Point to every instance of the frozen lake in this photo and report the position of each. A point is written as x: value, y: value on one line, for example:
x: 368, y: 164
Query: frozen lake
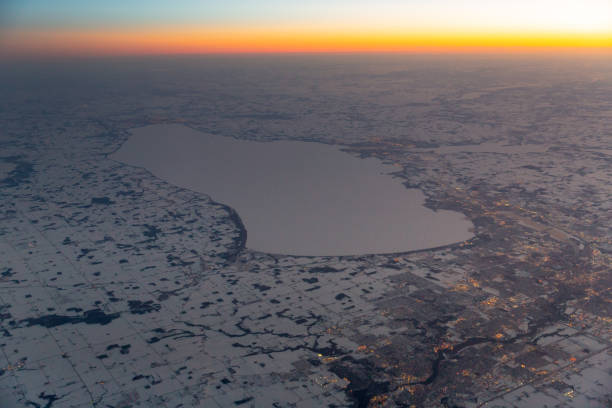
x: 297, y: 198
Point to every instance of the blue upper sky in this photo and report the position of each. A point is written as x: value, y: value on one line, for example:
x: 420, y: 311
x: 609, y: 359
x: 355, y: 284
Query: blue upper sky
x: 81, y: 13
x: 562, y: 14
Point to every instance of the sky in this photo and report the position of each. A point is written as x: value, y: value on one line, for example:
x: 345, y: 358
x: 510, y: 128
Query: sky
x: 75, y: 27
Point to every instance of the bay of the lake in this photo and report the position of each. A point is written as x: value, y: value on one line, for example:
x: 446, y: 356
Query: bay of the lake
x: 297, y: 198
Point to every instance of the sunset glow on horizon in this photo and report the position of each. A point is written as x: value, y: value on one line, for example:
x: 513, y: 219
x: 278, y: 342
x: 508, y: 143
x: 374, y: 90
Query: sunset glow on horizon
x: 69, y: 27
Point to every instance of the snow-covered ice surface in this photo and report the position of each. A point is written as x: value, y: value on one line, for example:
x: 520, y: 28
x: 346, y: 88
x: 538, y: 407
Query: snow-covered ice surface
x: 297, y: 198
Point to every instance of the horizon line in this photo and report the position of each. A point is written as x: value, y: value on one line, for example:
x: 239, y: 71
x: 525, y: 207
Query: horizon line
x: 292, y: 41
x: 437, y: 51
